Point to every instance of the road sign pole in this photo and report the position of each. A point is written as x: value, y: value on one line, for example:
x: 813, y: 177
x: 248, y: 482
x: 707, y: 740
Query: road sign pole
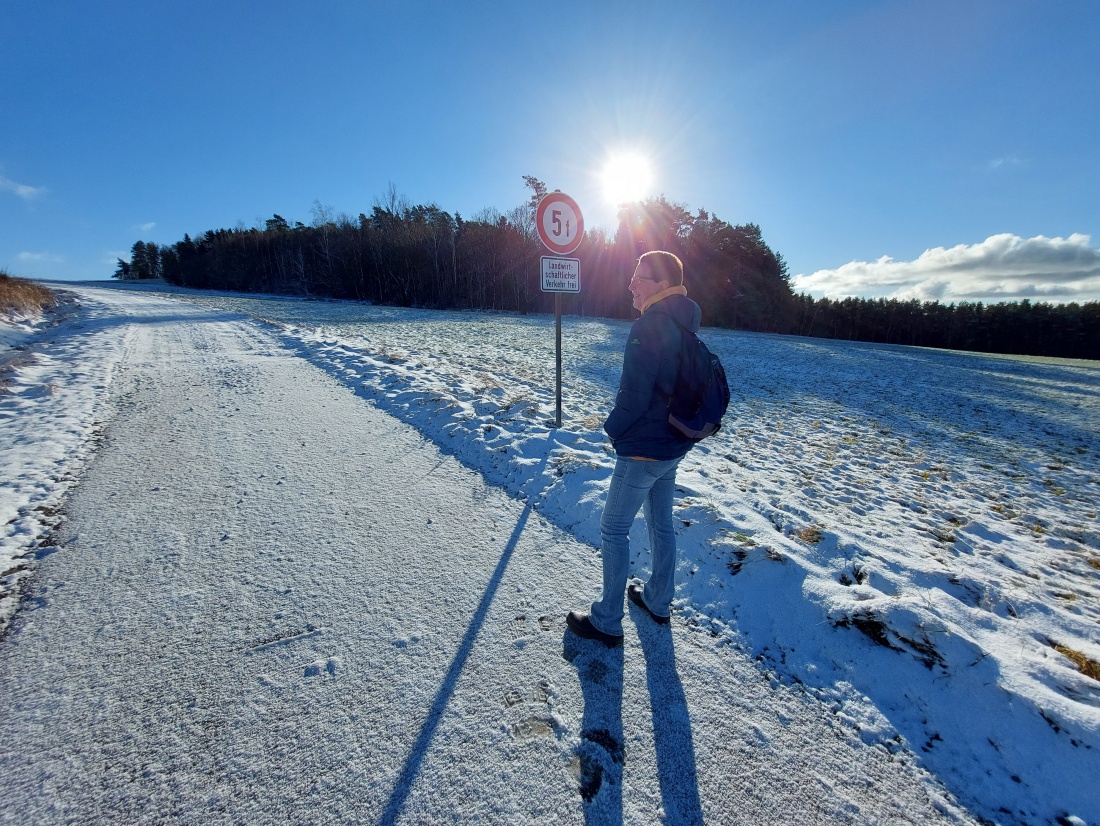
x: 560, y: 226
x: 557, y: 316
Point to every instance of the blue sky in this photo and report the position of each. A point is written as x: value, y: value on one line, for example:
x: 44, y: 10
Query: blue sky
x: 933, y: 148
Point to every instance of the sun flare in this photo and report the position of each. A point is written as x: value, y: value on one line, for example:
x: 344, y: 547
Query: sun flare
x: 626, y: 177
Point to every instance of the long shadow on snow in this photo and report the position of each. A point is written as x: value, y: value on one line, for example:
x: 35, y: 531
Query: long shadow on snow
x: 600, y: 754
x: 671, y: 725
x: 419, y: 751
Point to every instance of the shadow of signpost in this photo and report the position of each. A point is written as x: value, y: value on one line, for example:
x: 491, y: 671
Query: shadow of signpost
x: 419, y: 751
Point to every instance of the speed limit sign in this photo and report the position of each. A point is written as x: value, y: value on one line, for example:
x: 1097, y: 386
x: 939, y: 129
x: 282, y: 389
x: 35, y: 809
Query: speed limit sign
x: 560, y: 223
x: 561, y: 228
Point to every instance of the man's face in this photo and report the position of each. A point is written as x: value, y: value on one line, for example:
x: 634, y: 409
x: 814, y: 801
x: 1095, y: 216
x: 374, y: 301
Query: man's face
x: 642, y: 286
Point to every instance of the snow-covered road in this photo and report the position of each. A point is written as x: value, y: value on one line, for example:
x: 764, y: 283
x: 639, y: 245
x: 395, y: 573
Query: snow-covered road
x: 272, y: 602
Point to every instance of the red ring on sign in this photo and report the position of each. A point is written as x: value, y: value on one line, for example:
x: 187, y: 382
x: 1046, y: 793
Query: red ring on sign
x: 548, y: 201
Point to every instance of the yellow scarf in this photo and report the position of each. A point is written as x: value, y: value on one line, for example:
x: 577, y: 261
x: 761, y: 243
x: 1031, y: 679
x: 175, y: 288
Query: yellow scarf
x: 653, y: 299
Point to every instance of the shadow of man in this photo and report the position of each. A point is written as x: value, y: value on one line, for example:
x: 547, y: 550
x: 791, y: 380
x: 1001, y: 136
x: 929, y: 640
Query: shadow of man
x: 598, y: 760
x: 671, y: 725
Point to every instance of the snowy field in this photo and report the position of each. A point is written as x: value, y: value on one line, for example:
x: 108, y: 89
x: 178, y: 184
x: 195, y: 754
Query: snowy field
x: 907, y: 536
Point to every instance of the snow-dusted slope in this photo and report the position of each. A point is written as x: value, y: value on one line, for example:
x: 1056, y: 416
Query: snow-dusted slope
x: 942, y: 504
x: 55, y: 371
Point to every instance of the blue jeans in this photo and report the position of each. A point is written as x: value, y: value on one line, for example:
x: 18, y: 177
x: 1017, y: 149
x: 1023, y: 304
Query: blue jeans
x: 636, y: 484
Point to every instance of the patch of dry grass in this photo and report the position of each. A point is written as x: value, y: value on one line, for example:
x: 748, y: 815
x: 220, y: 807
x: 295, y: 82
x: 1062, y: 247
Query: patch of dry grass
x: 1090, y: 668
x: 18, y: 297
x: 811, y: 534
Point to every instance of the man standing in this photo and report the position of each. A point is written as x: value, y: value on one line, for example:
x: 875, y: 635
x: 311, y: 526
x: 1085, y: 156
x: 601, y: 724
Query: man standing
x: 647, y: 452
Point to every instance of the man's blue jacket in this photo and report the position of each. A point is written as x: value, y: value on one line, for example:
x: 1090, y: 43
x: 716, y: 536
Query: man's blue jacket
x: 638, y: 424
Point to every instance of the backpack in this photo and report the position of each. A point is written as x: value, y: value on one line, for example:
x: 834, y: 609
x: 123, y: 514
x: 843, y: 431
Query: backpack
x: 701, y: 394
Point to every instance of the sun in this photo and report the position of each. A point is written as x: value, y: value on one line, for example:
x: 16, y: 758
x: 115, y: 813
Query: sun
x: 627, y: 176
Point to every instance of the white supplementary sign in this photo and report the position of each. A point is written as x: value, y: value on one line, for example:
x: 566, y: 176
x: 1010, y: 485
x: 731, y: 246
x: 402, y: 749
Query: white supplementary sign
x: 561, y: 275
x: 560, y: 223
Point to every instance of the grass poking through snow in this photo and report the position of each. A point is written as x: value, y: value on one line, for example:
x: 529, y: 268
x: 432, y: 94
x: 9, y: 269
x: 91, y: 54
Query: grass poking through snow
x: 1090, y: 668
x: 19, y: 297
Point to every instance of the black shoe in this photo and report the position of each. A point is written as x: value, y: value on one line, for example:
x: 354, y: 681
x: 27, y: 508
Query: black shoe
x: 634, y: 593
x: 582, y: 626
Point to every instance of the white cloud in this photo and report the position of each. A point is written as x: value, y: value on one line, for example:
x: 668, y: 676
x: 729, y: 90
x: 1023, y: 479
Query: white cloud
x: 22, y: 190
x: 147, y: 227
x: 1003, y: 267
x: 39, y: 258
x: 1006, y: 162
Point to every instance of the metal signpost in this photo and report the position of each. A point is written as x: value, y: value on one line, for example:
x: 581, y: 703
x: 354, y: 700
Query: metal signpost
x: 561, y: 227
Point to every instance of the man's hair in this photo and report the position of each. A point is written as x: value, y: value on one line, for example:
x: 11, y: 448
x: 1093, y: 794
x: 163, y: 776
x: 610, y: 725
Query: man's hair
x: 664, y: 266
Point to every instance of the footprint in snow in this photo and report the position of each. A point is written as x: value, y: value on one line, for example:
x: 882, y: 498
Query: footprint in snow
x: 531, y: 714
x: 316, y: 668
x: 521, y: 628
x: 594, y: 762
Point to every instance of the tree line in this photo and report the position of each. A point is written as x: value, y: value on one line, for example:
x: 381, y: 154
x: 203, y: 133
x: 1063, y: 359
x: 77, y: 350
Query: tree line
x: 1016, y: 327
x: 420, y: 255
